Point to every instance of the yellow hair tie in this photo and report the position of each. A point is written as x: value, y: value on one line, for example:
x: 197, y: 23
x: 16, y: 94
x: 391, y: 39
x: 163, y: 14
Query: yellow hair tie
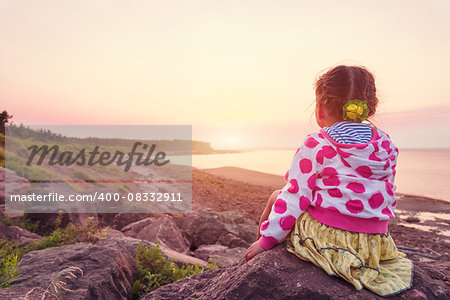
x: 355, y: 110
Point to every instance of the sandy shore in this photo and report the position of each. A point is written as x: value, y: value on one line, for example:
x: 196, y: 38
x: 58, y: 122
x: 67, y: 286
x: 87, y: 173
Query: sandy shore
x: 277, y: 182
x: 248, y: 176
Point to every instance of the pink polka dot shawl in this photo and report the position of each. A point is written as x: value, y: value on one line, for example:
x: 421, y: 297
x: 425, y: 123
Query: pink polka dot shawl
x: 347, y: 186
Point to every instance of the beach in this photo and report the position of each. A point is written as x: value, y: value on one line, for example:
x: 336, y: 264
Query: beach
x: 421, y: 223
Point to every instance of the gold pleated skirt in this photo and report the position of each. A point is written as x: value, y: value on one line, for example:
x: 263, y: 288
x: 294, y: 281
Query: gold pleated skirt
x: 366, y: 260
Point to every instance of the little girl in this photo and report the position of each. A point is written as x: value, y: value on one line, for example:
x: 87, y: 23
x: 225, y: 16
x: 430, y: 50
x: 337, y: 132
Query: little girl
x: 339, y: 193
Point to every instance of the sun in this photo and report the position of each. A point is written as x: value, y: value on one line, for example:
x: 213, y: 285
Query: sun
x: 229, y: 140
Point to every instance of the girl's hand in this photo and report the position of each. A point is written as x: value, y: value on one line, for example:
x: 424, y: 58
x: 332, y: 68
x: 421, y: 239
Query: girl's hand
x: 253, y: 250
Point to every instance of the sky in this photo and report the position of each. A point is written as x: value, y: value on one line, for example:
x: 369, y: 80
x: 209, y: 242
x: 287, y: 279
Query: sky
x: 240, y: 72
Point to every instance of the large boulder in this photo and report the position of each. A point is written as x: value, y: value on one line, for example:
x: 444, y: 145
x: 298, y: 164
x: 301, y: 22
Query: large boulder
x: 78, y: 271
x: 207, y: 227
x: 18, y: 235
x: 278, y: 274
x: 161, y: 229
x: 218, y: 253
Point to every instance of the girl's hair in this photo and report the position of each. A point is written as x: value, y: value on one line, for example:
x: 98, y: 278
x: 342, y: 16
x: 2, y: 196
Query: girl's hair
x: 343, y: 83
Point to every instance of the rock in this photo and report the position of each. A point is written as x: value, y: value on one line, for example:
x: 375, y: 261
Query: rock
x: 222, y: 254
x: 278, y: 274
x: 180, y: 259
x: 120, y: 220
x: 247, y: 232
x: 109, y: 232
x: 16, y: 184
x: 19, y: 235
x: 199, y: 229
x: 412, y: 219
x: 160, y: 229
x: 232, y: 241
x: 89, y: 271
x: 208, y: 228
x: 232, y: 217
x: 134, y: 228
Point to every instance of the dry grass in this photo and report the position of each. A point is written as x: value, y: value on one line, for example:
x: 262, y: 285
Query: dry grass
x: 58, y: 286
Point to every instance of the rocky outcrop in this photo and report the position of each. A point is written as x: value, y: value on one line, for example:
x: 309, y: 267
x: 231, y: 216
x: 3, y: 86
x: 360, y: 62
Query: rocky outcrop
x: 230, y: 228
x: 104, y: 270
x: 218, y: 253
x: 277, y: 274
x: 78, y: 271
x: 19, y: 235
x: 161, y: 229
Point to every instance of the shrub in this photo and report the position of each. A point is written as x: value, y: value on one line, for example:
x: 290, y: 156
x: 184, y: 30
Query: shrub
x: 9, y: 269
x: 155, y: 270
x: 69, y: 235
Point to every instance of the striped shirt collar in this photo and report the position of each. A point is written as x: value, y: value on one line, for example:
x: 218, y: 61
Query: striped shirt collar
x: 350, y: 132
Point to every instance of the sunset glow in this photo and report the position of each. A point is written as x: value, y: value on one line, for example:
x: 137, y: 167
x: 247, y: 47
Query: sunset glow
x: 240, y: 72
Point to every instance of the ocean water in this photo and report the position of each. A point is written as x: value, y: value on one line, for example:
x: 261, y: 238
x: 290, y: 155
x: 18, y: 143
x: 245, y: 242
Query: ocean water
x: 419, y: 172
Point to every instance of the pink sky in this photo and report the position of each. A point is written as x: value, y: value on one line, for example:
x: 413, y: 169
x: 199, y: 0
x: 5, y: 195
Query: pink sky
x: 240, y: 72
